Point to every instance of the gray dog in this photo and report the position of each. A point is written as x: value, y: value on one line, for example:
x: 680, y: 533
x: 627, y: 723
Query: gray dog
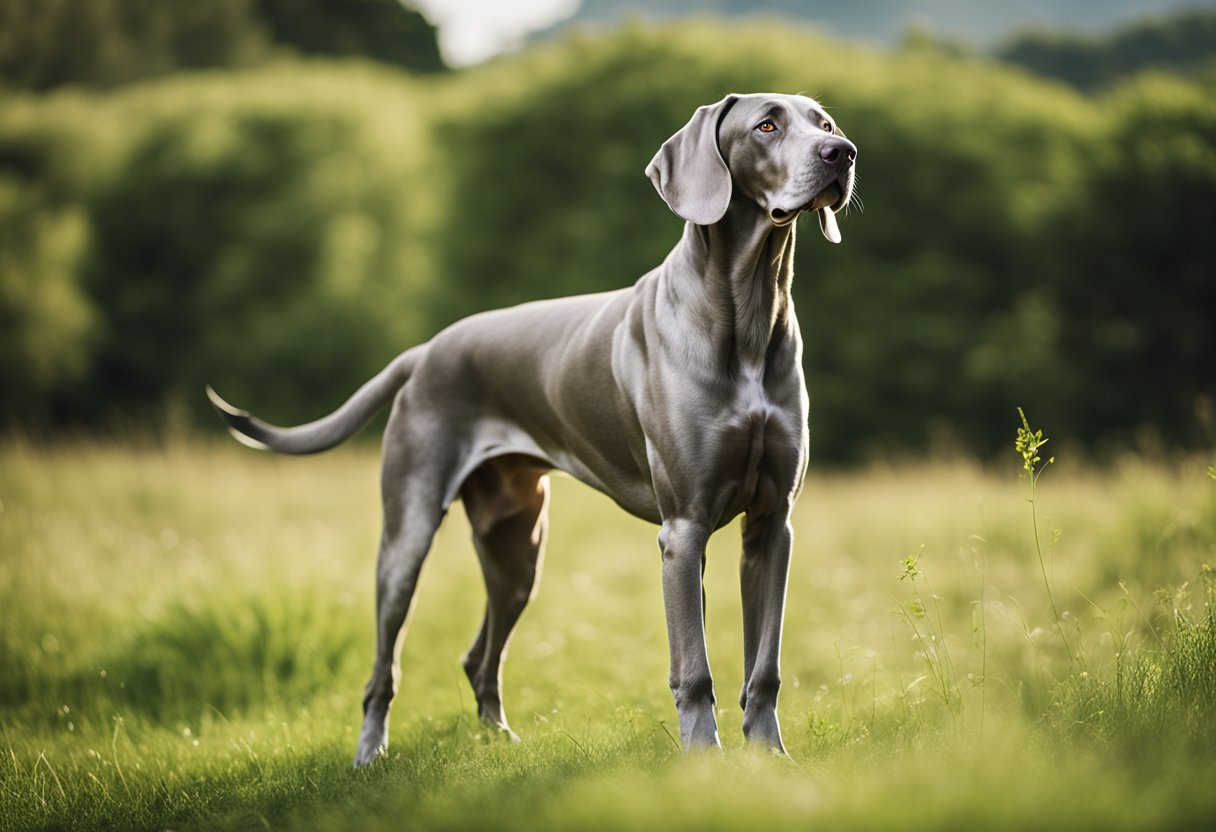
x: 682, y: 398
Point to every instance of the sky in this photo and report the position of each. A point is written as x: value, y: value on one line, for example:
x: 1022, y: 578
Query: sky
x: 470, y: 31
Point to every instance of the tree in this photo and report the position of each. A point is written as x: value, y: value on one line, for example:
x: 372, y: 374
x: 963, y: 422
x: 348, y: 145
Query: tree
x: 384, y: 30
x: 102, y: 43
x: 1180, y: 43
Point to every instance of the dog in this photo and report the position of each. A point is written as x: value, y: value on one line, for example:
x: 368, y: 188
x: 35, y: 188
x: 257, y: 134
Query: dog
x: 682, y: 398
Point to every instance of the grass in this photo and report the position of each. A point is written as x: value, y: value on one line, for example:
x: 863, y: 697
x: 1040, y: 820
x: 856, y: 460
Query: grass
x: 186, y: 631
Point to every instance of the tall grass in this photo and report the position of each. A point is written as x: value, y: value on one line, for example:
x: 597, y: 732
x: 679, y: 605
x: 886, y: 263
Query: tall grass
x: 185, y: 631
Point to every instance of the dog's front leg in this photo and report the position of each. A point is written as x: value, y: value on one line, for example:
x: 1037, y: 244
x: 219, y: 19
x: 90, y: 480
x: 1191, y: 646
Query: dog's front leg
x: 682, y: 543
x: 763, y: 572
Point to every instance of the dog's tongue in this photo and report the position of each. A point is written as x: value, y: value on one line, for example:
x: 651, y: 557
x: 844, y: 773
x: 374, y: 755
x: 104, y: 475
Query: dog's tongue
x: 827, y: 224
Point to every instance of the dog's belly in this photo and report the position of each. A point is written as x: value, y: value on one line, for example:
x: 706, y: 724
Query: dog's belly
x: 497, y: 437
x: 747, y: 463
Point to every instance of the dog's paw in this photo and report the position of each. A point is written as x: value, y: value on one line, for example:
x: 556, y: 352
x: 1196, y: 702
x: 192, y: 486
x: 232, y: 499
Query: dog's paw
x: 371, y: 747
x: 365, y: 758
x: 499, y: 729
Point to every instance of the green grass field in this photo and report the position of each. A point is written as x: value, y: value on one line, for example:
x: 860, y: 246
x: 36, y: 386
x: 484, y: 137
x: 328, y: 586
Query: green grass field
x: 186, y: 631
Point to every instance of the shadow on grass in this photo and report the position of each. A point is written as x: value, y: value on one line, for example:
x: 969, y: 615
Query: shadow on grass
x: 229, y: 654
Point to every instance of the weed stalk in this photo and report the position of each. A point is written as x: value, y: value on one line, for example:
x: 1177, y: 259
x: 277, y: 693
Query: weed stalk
x: 1027, y: 444
x: 933, y: 642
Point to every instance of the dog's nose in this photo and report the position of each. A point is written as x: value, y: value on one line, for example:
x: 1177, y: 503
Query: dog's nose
x: 837, y: 152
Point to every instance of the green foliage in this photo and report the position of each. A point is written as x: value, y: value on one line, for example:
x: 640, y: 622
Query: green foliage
x: 282, y: 232
x: 47, y: 43
x: 1138, y: 308
x: 383, y: 30
x: 46, y: 320
x: 257, y: 240
x: 1183, y: 42
x: 103, y: 43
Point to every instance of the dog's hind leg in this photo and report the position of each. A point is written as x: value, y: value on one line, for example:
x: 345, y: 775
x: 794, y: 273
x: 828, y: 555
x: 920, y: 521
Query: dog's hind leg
x: 507, y: 501
x: 413, y: 510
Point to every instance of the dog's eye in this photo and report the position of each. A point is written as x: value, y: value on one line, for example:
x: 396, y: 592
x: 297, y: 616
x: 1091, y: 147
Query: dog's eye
x: 766, y: 126
x: 827, y: 126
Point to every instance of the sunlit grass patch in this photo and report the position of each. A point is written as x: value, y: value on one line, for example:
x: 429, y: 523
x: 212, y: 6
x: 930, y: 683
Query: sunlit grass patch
x: 1157, y: 704
x: 187, y: 629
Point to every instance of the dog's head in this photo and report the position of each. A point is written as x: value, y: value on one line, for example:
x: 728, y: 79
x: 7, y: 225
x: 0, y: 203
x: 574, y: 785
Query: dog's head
x: 783, y: 152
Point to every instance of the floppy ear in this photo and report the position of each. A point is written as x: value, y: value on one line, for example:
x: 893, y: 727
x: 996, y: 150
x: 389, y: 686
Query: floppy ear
x: 688, y: 171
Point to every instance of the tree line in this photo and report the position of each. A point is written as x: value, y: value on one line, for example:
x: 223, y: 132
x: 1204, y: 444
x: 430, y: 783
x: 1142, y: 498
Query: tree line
x: 281, y: 231
x: 46, y: 44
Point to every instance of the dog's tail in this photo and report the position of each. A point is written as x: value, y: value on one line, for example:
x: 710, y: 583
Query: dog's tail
x: 327, y: 431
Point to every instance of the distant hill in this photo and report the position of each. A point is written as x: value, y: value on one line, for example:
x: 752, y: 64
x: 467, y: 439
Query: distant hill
x: 887, y: 20
x: 1089, y: 45
x: 1184, y: 43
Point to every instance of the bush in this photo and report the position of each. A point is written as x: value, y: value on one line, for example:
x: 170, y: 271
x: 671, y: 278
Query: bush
x: 1133, y: 270
x: 46, y: 321
x: 283, y: 232
x: 260, y: 238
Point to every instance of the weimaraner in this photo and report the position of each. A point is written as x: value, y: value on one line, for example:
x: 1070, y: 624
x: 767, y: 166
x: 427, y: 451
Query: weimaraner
x: 682, y: 398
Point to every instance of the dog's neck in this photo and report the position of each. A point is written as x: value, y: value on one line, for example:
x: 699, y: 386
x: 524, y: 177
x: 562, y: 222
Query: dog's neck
x: 734, y: 282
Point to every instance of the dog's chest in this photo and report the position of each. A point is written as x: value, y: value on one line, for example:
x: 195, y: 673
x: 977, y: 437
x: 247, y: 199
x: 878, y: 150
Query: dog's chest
x: 755, y: 448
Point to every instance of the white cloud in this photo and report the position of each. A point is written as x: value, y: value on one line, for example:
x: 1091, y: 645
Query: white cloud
x: 471, y: 31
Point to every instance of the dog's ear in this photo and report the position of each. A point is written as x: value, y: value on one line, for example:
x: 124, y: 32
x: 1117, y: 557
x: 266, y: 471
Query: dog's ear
x: 689, y: 172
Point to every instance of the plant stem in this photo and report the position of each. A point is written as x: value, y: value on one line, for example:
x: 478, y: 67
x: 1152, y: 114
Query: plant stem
x: 1038, y: 548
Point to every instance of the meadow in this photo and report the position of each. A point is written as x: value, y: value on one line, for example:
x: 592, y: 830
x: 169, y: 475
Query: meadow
x: 186, y: 630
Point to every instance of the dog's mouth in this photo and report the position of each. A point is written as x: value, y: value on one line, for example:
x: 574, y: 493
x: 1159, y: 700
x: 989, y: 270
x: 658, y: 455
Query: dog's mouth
x: 830, y: 198
x: 826, y: 202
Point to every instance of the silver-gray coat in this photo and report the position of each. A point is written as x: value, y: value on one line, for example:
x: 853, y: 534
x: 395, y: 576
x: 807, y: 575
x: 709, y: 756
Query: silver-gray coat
x: 681, y: 397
